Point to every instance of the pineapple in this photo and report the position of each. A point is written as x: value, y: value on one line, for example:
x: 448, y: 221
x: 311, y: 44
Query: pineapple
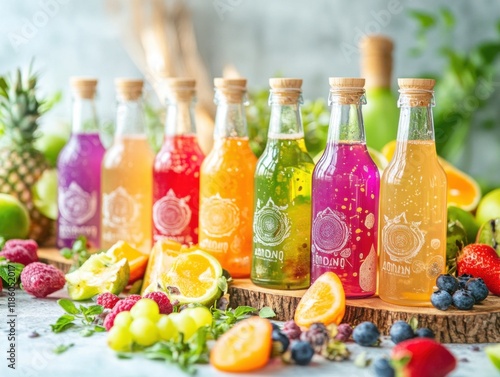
x: 21, y: 165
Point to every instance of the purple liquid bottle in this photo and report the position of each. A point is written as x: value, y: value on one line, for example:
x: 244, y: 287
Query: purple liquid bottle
x: 79, y: 171
x: 345, y: 194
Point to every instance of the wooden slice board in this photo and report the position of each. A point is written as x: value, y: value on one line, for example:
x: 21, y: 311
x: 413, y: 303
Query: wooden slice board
x: 53, y: 257
x: 480, y: 325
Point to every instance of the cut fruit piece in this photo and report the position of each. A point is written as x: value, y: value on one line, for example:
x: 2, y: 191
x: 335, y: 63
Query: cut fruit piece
x: 323, y: 302
x: 195, y: 277
x: 137, y: 260
x: 102, y: 272
x: 245, y: 347
x: 489, y: 207
x: 493, y: 353
x: 161, y: 258
x: 489, y: 234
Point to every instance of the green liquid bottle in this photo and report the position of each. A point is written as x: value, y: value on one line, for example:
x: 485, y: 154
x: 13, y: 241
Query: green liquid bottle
x: 282, y: 211
x: 381, y: 115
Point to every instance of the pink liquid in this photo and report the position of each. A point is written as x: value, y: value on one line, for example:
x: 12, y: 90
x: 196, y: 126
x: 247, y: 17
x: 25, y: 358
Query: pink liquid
x: 79, y: 190
x: 345, y: 193
x: 176, y: 186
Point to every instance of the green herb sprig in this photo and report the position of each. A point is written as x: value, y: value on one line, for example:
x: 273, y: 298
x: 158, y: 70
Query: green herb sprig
x: 78, y: 253
x: 86, y: 314
x: 225, y: 319
x: 10, y: 271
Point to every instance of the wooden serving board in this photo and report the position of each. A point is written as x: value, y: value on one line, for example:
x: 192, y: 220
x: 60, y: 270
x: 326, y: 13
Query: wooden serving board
x: 53, y: 257
x: 480, y: 325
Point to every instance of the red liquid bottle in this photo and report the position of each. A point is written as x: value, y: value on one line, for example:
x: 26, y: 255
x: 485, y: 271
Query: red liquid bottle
x: 176, y: 171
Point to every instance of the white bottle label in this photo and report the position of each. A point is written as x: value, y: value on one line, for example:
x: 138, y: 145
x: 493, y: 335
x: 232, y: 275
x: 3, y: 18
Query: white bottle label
x: 171, y: 214
x: 330, y: 233
x: 271, y: 224
x: 76, y: 205
x: 402, y: 240
x: 120, y: 209
x: 220, y: 217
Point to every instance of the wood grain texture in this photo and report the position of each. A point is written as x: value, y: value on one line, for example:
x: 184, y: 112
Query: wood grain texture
x: 480, y: 325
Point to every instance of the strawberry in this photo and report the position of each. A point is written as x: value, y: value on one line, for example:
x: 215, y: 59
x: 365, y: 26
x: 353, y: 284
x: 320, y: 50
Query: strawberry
x: 481, y: 261
x: 420, y: 357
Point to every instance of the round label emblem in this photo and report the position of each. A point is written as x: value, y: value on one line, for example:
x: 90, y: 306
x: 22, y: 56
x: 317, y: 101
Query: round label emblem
x: 402, y: 240
x: 120, y: 209
x: 171, y: 214
x: 77, y: 206
x: 219, y: 216
x: 271, y: 224
x: 330, y: 231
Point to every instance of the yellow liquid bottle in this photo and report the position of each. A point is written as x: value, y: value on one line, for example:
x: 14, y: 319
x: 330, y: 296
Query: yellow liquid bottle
x: 127, y: 175
x: 227, y: 183
x: 412, y: 226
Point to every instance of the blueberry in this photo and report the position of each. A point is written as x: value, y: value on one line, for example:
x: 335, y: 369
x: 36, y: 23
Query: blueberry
x: 463, y: 300
x: 441, y: 300
x: 477, y: 287
x: 400, y: 330
x: 463, y: 279
x: 302, y: 352
x: 447, y: 283
x: 425, y: 332
x: 278, y: 336
x: 366, y: 334
x: 383, y: 368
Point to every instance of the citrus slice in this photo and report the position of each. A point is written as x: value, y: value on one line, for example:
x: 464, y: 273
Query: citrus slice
x: 245, y: 347
x: 195, y: 277
x: 323, y: 302
x: 137, y: 260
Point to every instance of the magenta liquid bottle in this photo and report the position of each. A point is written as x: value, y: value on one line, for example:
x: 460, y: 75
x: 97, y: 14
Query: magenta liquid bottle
x: 79, y: 171
x: 345, y: 194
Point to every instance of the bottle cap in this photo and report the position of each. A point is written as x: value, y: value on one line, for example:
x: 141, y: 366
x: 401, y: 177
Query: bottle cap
x: 181, y: 88
x: 376, y: 60
x: 233, y: 90
x: 419, y: 92
x: 129, y: 89
x: 347, y: 90
x: 286, y: 91
x: 83, y: 87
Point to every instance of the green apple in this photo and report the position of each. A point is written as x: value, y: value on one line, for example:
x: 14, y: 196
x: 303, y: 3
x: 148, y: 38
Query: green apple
x: 51, y: 144
x: 489, y: 207
x: 44, y: 193
x: 14, y: 218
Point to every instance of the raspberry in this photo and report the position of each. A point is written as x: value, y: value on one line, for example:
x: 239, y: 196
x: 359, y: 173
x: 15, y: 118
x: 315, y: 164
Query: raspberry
x: 162, y: 300
x: 107, y: 300
x: 121, y: 306
x: 344, y: 332
x: 41, y: 279
x: 292, y: 330
x: 134, y: 298
x: 20, y: 251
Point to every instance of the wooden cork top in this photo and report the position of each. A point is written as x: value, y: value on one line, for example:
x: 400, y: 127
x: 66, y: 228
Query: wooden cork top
x: 181, y: 88
x: 346, y: 90
x: 376, y: 60
x: 129, y: 89
x: 233, y: 90
x: 286, y: 91
x: 418, y: 92
x: 83, y: 87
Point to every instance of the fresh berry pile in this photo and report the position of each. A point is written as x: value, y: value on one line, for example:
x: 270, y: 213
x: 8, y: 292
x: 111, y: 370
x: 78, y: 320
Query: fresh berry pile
x: 462, y: 292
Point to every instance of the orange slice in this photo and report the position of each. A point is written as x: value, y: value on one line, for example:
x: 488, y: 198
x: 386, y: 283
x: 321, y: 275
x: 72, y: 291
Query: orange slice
x: 323, y: 302
x: 137, y: 260
x: 245, y: 347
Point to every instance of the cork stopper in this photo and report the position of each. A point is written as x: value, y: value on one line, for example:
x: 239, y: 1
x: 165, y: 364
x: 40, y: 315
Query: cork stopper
x: 181, y: 88
x: 347, y: 90
x: 418, y: 92
x: 129, y: 89
x: 286, y: 91
x: 233, y: 90
x: 83, y: 87
x: 376, y: 60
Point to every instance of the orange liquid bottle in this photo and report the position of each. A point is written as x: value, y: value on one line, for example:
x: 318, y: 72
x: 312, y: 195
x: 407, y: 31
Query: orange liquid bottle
x: 127, y: 175
x: 412, y: 227
x: 227, y: 183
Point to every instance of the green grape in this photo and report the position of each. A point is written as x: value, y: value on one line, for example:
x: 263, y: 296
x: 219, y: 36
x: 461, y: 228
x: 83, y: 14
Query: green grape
x: 123, y: 319
x: 146, y: 308
x: 201, y: 316
x: 144, y: 331
x: 184, y: 324
x: 166, y: 328
x: 120, y: 339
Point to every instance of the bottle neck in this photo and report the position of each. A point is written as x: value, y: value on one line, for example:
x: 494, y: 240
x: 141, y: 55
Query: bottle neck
x: 230, y: 120
x: 180, y: 119
x: 346, y: 122
x: 84, y: 116
x: 285, y: 121
x: 130, y: 118
x: 416, y: 123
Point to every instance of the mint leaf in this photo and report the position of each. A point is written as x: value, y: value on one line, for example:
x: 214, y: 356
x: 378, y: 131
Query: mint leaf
x: 242, y: 311
x: 92, y: 310
x: 87, y: 331
x: 63, y: 323
x: 267, y: 312
x: 62, y: 348
x: 68, y: 306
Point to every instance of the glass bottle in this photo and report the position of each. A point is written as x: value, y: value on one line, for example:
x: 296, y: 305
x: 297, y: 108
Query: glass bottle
x: 126, y: 174
x: 380, y: 115
x: 227, y: 183
x: 345, y: 192
x: 176, y: 171
x: 79, y: 171
x: 412, y: 225
x: 282, y: 215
